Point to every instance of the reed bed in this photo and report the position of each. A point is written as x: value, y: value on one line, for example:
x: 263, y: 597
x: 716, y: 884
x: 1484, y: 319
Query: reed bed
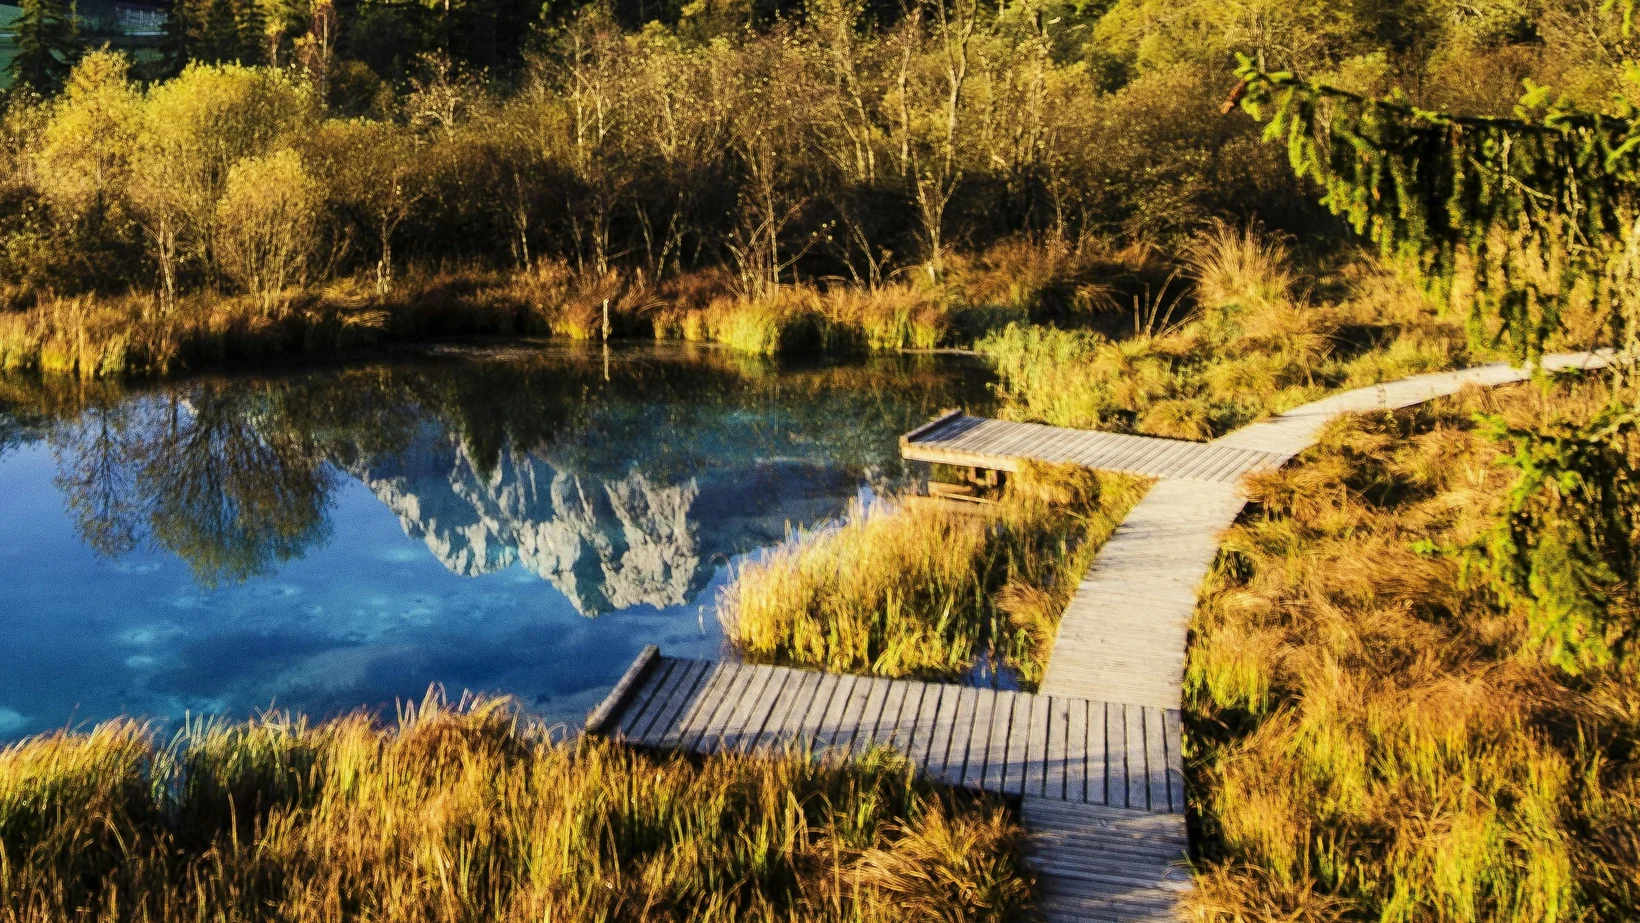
x: 103, y: 337
x: 1248, y: 344
x: 473, y: 813
x: 928, y: 590
x: 1370, y: 738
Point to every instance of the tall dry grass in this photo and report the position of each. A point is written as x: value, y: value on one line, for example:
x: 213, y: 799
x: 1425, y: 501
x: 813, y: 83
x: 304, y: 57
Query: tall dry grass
x: 473, y: 813
x: 1370, y: 739
x: 115, y: 337
x: 1253, y: 344
x: 928, y: 590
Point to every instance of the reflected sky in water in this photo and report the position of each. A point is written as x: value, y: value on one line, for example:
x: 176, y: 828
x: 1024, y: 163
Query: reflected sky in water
x: 500, y: 520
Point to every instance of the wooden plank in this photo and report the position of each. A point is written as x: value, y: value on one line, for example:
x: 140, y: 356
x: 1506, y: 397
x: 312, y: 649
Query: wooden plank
x: 1058, y: 752
x: 762, y: 702
x: 836, y: 732
x: 926, y: 726
x: 945, y: 756
x: 943, y: 418
x: 1137, y: 789
x: 1001, y: 443
x: 711, y: 736
x: 1099, y: 754
x: 1056, y: 448
x: 1078, y: 748
x: 1173, y: 738
x: 1168, y: 462
x: 793, y: 698
x: 1127, y: 457
x: 1155, y: 761
x: 628, y: 684
x: 905, y: 728
x: 1036, y: 753
x: 1019, y: 739
x: 871, y: 711
x: 996, y: 748
x: 893, y: 703
x: 661, y: 686
x: 855, y: 715
x: 809, y: 729
x: 705, y: 707
x: 648, y: 699
x: 783, y: 733
x: 979, y: 738
x: 663, y: 731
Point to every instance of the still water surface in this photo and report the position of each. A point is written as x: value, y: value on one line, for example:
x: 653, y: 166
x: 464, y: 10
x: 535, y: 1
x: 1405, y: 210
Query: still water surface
x: 513, y: 520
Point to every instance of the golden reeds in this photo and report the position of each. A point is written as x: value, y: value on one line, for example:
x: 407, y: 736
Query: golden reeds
x: 474, y: 813
x: 1251, y: 346
x: 928, y: 590
x: 1371, y: 739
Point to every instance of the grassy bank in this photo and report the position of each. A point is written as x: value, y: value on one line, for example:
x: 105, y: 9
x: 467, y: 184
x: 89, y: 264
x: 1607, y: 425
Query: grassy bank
x: 930, y: 590
x: 130, y: 336
x: 473, y: 813
x: 1374, y: 736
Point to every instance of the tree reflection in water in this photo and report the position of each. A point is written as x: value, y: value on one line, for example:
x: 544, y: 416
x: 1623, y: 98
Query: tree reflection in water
x: 620, y: 488
x: 208, y: 475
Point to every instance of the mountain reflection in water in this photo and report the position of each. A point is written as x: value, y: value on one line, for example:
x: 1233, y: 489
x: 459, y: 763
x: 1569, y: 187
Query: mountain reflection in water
x: 220, y: 545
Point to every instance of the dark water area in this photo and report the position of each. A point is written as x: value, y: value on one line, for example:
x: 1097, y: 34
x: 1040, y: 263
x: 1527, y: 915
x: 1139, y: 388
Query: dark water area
x: 512, y: 520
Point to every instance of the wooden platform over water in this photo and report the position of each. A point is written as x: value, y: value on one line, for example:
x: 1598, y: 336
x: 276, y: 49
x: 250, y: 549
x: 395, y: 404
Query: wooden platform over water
x: 1056, y: 748
x: 955, y: 439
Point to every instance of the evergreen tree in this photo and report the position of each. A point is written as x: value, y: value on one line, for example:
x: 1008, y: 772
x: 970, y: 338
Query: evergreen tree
x: 178, y: 38
x: 253, y: 33
x: 1531, y: 212
x: 219, y: 40
x: 47, y: 45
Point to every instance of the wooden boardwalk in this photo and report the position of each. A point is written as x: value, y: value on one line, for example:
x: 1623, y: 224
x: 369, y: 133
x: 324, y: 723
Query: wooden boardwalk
x: 1044, y: 747
x: 954, y: 439
x: 1094, y: 756
x: 1122, y: 638
x: 1100, y: 863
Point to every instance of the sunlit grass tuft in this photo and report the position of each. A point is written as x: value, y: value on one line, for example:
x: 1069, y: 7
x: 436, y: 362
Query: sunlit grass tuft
x: 1252, y: 346
x: 928, y: 590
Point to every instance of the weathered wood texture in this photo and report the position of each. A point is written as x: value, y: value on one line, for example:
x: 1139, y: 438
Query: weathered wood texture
x: 1003, y: 445
x: 1122, y: 638
x: 1098, y: 863
x: 1055, y: 748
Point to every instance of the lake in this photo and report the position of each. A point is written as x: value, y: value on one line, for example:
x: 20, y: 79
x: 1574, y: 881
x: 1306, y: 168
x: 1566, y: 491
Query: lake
x: 518, y: 520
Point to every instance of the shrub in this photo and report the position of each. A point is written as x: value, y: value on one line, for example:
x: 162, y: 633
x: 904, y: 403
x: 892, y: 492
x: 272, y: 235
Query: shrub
x: 265, y: 223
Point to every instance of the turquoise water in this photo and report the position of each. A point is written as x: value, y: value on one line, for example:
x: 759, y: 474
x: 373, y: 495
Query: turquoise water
x: 517, y: 521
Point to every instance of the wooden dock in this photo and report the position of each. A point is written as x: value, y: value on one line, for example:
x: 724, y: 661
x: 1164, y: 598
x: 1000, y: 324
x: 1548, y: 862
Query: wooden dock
x: 1048, y: 747
x: 1001, y: 445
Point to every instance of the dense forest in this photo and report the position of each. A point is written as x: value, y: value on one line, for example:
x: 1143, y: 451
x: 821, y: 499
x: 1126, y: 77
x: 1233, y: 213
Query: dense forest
x: 272, y: 144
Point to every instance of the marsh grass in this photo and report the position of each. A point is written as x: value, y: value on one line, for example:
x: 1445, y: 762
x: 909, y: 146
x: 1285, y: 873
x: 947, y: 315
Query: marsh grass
x: 1373, y: 740
x: 926, y: 590
x: 1253, y: 344
x: 473, y: 813
x: 107, y: 337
